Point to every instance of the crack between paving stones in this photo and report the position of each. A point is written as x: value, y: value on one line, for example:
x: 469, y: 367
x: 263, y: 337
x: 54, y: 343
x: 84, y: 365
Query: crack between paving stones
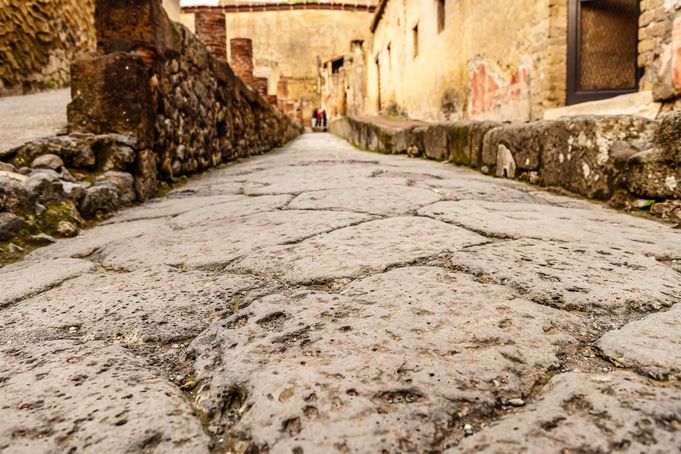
x: 492, y: 236
x: 28, y: 296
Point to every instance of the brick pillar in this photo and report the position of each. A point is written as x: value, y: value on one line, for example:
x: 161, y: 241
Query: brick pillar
x: 242, y: 58
x: 260, y: 85
x: 211, y: 29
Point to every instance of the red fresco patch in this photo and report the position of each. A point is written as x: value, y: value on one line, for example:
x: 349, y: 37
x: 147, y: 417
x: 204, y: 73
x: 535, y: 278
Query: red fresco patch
x: 486, y: 93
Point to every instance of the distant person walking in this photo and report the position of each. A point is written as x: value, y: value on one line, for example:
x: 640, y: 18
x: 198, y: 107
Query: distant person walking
x: 324, y: 118
x: 319, y: 118
x: 314, y: 118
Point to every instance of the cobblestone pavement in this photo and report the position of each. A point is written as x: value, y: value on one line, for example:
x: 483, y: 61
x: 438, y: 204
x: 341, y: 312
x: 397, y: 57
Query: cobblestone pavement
x: 321, y: 299
x: 29, y: 117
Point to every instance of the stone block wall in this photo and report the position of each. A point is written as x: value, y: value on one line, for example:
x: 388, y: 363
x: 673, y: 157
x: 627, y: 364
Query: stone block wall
x: 38, y: 40
x: 632, y: 162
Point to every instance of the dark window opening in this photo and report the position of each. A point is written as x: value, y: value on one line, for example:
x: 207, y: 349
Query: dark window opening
x: 415, y: 34
x: 602, y: 49
x: 440, y: 15
x: 336, y: 65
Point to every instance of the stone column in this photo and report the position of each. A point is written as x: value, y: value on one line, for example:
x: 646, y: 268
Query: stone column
x: 260, y: 85
x: 242, y: 58
x: 211, y: 29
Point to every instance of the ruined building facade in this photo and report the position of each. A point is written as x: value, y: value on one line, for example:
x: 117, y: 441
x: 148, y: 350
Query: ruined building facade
x: 457, y: 59
x: 278, y: 47
x: 512, y: 61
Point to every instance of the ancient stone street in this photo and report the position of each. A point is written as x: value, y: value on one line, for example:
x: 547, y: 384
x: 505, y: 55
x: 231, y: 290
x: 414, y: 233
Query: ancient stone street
x: 323, y: 299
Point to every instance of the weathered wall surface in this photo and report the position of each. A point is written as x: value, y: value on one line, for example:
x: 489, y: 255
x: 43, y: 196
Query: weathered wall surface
x: 343, y: 90
x: 479, y: 66
x: 38, y: 40
x: 660, y: 49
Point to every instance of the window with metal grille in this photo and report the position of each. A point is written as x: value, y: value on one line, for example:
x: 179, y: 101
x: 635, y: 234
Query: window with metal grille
x: 602, y: 49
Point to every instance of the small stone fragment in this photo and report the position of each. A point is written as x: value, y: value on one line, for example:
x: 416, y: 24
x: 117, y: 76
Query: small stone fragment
x: 517, y: 402
x: 14, y: 249
x: 468, y: 430
x: 10, y: 225
x: 42, y: 239
x: 48, y: 161
x: 67, y: 229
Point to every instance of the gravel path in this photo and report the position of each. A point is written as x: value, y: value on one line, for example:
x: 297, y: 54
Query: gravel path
x: 320, y: 299
x: 24, y: 118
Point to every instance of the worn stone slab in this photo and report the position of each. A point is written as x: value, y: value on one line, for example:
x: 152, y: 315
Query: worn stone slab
x: 573, y: 276
x: 651, y: 345
x: 236, y: 208
x: 24, y: 279
x: 383, y: 200
x: 221, y: 242
x: 358, y: 250
x: 315, y: 177
x: 460, y: 189
x: 68, y: 397
x: 386, y: 365
x: 170, y: 207
x: 592, y: 226
x: 160, y: 305
x: 620, y: 411
x: 90, y: 241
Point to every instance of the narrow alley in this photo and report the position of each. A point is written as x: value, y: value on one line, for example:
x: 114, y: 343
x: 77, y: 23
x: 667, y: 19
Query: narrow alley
x: 321, y: 298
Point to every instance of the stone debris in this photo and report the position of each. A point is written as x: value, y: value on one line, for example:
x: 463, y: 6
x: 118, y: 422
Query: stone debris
x: 320, y: 299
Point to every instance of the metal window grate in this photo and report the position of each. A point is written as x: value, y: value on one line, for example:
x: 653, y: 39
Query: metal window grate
x: 607, y: 44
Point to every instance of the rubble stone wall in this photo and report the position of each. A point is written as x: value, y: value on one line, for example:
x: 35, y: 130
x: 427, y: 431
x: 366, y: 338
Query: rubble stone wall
x: 151, y: 105
x: 38, y: 40
x: 627, y: 160
x: 156, y: 82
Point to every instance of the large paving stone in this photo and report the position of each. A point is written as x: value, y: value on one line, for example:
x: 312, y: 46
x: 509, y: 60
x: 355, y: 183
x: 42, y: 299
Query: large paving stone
x: 592, y: 226
x: 24, y: 279
x: 389, y: 364
x: 69, y: 397
x: 90, y: 241
x: 298, y: 179
x: 474, y: 189
x: 221, y: 242
x: 381, y: 200
x: 573, y: 276
x: 354, y: 251
x: 170, y: 207
x: 221, y: 212
x: 160, y: 305
x: 581, y: 413
x: 652, y: 345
